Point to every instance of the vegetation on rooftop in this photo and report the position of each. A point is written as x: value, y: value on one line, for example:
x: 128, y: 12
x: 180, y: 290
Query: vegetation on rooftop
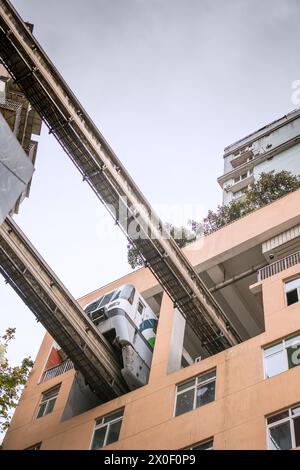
x: 268, y: 188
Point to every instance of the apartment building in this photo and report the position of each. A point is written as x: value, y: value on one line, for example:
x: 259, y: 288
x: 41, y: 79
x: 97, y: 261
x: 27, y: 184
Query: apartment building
x: 245, y: 397
x: 275, y: 147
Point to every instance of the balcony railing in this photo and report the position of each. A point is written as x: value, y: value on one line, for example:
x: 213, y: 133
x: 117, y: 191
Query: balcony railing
x: 57, y: 370
x: 278, y: 266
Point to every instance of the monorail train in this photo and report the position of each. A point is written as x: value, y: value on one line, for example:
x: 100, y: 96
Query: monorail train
x: 128, y: 323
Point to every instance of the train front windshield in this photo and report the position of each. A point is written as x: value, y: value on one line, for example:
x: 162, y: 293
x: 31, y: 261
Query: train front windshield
x: 99, y: 302
x: 126, y: 292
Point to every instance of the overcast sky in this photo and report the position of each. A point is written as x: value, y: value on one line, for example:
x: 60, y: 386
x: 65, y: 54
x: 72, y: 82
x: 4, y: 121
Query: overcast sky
x: 170, y: 83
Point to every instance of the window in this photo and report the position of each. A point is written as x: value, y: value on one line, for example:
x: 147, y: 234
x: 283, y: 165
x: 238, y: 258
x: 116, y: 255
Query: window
x: 282, y: 356
x: 204, y: 445
x: 107, y: 429
x: 106, y: 299
x: 100, y: 302
x: 239, y: 193
x: 284, y: 429
x: 292, y: 291
x: 93, y: 306
x: 34, y: 447
x: 48, y: 401
x: 140, y: 307
x: 242, y: 177
x: 127, y: 293
x: 195, y: 393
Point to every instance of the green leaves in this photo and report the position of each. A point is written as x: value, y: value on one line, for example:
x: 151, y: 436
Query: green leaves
x: 268, y: 188
x: 11, y: 380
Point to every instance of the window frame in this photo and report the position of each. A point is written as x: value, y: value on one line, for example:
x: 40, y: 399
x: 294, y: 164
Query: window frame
x: 197, y: 385
x: 287, y: 281
x: 47, y: 400
x: 201, y: 443
x: 36, y: 446
x: 106, y: 424
x: 284, y: 349
x: 288, y: 419
x: 140, y: 302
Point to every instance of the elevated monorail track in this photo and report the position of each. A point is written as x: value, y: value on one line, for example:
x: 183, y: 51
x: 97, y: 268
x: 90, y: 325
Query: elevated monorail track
x: 66, y: 119
x: 30, y: 276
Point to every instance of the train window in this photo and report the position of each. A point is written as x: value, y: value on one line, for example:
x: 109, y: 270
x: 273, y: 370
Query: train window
x: 93, y: 306
x: 116, y: 295
x: 131, y: 297
x: 141, y: 307
x: 107, y: 298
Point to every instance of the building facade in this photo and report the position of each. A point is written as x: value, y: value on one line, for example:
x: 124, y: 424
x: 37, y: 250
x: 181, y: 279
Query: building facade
x: 246, y: 397
x: 275, y: 147
x: 19, y: 122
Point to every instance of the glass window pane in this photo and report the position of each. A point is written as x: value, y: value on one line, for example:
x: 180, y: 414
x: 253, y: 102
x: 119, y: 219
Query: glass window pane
x: 208, y: 445
x: 93, y: 306
x: 275, y: 364
x: 51, y: 393
x: 113, y: 432
x: 297, y: 430
x: 292, y: 297
x: 278, y: 417
x: 116, y: 295
x: 292, y: 341
x: 296, y: 411
x: 106, y: 299
x: 207, y: 376
x: 280, y: 437
x: 99, y: 437
x: 190, y: 383
x: 205, y: 394
x: 273, y: 349
x: 292, y: 285
x: 140, y: 307
x: 293, y: 353
x: 50, y: 406
x: 112, y: 416
x: 185, y: 402
x: 41, y: 410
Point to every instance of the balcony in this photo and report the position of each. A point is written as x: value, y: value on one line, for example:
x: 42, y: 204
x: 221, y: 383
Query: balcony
x: 57, y: 370
x: 242, y: 157
x: 279, y: 266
